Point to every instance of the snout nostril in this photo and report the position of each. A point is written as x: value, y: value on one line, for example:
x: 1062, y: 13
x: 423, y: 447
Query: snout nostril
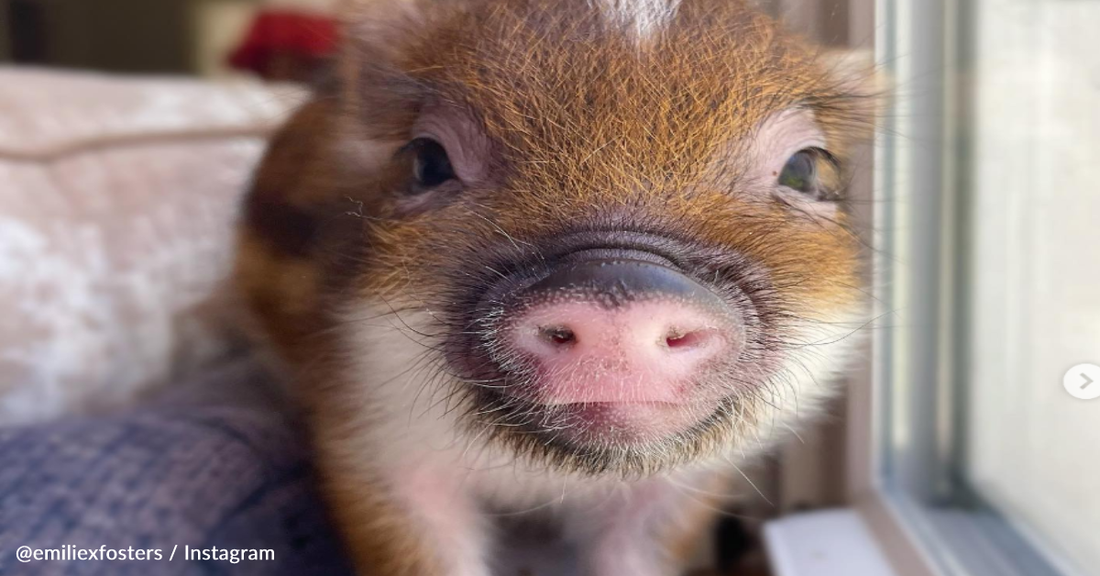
x: 557, y: 335
x: 677, y: 339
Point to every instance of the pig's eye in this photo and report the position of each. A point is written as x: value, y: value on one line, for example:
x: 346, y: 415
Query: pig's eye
x: 431, y: 166
x: 813, y: 172
x: 800, y: 172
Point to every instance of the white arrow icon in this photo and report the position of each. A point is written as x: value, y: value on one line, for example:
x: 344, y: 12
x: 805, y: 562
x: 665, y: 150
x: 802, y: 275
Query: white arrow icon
x: 1079, y: 381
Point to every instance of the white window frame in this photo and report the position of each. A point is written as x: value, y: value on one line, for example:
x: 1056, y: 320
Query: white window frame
x: 905, y: 418
x: 914, y: 369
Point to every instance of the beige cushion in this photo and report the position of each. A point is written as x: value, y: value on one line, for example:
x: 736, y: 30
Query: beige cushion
x: 117, y: 203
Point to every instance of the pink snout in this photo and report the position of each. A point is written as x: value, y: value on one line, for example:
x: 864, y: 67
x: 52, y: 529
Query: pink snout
x: 621, y: 332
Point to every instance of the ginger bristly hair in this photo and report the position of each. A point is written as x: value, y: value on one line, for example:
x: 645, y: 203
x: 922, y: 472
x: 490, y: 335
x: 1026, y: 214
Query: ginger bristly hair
x: 576, y: 121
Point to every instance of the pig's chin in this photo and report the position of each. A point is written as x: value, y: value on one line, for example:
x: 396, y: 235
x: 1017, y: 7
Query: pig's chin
x: 594, y: 425
x: 624, y: 424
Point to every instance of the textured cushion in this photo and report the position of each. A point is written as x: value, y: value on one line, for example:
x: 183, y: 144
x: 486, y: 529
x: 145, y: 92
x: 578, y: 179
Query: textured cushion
x: 117, y: 199
x: 215, y: 464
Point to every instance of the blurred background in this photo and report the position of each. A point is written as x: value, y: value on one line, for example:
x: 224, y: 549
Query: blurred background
x: 222, y: 38
x: 210, y: 38
x: 960, y: 448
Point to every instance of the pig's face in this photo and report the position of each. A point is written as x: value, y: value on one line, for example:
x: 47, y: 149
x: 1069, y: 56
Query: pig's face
x: 608, y: 244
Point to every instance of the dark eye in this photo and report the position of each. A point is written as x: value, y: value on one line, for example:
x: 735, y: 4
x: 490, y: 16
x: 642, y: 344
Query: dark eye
x: 431, y: 166
x: 800, y: 172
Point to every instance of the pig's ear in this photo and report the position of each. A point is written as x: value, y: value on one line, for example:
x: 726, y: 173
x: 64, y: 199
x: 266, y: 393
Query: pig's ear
x: 380, y: 41
x: 385, y: 28
x: 853, y: 77
x: 855, y: 70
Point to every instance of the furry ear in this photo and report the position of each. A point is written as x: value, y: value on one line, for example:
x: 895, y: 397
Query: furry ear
x: 380, y: 38
x: 388, y: 27
x: 854, y: 72
x: 384, y: 26
x: 859, y: 90
x: 855, y: 69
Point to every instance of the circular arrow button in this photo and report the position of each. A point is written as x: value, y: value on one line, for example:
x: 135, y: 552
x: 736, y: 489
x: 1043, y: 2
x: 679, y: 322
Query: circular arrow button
x: 1083, y: 381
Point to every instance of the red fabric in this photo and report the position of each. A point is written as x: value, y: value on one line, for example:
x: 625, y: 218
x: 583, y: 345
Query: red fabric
x: 304, y: 35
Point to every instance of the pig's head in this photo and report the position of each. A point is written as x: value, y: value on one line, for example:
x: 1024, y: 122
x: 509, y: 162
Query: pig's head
x: 607, y: 236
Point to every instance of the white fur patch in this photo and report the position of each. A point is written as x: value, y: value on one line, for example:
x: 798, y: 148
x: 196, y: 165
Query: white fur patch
x: 410, y: 433
x: 421, y: 424
x: 647, y: 17
x: 819, y: 352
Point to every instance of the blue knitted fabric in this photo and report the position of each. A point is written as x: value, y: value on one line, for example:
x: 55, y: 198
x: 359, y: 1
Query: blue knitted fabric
x: 229, y: 475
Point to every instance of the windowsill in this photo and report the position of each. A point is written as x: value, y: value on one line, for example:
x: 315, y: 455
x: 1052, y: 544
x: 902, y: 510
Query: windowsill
x: 892, y: 537
x: 827, y: 543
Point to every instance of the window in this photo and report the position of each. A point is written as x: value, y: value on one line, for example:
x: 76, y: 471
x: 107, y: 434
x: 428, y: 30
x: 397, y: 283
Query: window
x: 988, y: 236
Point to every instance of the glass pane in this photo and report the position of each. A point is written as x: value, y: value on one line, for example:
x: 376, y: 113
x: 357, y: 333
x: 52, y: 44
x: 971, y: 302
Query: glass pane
x: 1032, y: 450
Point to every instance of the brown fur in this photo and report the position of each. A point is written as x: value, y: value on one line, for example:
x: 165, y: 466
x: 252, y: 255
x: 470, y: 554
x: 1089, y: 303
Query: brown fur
x: 380, y: 536
x: 617, y: 129
x: 580, y: 126
x: 681, y: 538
